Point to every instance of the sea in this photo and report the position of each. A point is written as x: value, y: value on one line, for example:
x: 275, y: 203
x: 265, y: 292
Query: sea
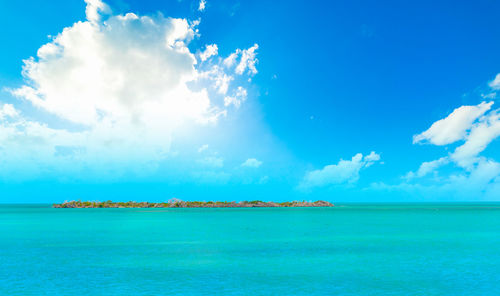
x: 350, y: 249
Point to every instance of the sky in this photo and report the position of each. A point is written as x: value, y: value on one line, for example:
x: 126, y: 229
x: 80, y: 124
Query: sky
x: 345, y: 101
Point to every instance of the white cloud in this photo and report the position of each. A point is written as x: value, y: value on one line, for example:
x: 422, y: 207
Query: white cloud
x: 220, y: 80
x: 428, y: 167
x: 345, y: 171
x: 203, y: 148
x: 94, y: 8
x: 468, y: 123
x: 495, y: 83
x: 202, y: 5
x: 125, y: 82
x: 8, y: 111
x: 231, y: 59
x: 491, y: 95
x: 210, y: 50
x: 84, y: 78
x: 247, y: 60
x: 252, y: 163
x: 473, y: 175
x: 454, y: 127
x: 236, y: 100
x: 371, y: 158
x: 481, y: 135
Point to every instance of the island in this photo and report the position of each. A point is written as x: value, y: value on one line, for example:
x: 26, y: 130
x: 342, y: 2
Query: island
x: 191, y: 204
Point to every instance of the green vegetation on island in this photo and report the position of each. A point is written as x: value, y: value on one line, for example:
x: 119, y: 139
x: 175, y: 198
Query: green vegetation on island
x: 175, y: 203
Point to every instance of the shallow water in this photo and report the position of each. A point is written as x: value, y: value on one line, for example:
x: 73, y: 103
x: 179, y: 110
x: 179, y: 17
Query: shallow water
x: 363, y: 249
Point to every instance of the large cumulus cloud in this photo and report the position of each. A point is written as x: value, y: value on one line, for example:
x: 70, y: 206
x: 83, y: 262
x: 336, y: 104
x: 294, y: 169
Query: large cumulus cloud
x: 125, y: 84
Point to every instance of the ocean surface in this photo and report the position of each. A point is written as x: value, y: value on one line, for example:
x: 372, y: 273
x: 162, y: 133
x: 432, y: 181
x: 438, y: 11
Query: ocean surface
x: 352, y: 249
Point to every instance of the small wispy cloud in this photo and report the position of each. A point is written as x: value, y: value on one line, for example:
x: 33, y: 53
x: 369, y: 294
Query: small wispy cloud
x: 202, y: 5
x: 211, y: 50
x: 252, y: 163
x: 203, y: 148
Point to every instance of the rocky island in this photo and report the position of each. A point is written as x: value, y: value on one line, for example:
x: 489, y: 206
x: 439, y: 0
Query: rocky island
x: 191, y: 204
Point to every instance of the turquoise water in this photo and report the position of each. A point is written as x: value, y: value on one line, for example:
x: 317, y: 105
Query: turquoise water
x: 347, y: 250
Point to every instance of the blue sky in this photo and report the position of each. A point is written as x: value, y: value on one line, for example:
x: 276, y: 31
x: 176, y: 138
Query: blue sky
x: 343, y: 101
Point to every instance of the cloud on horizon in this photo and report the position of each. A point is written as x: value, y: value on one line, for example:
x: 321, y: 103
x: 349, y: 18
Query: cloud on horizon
x: 469, y: 173
x: 344, y: 172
